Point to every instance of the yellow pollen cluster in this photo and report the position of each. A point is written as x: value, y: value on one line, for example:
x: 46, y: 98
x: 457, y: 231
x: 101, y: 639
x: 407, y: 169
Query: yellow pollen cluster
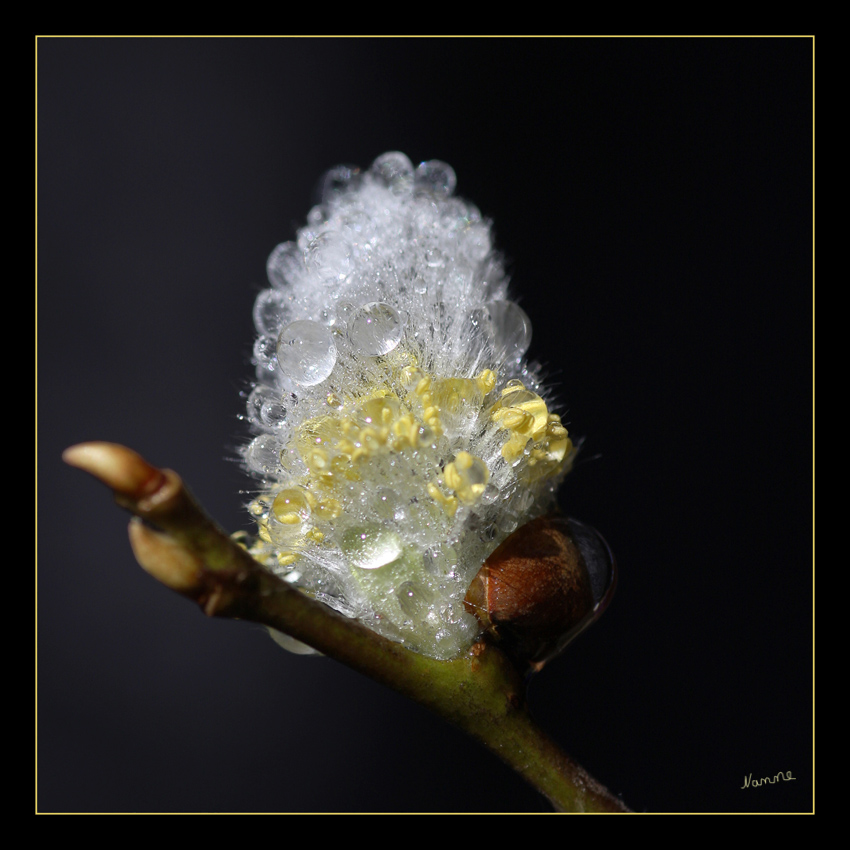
x: 337, y: 447
x: 525, y: 415
x: 447, y: 503
x: 334, y: 446
x: 467, y: 475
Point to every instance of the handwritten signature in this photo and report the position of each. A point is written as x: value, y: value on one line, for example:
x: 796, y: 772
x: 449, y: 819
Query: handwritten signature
x: 749, y: 782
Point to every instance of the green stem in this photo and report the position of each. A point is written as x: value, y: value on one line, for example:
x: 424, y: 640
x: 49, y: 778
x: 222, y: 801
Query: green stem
x: 482, y: 692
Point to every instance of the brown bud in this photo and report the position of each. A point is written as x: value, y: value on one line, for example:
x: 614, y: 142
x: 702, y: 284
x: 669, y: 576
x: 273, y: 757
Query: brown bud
x: 120, y: 468
x: 542, y: 586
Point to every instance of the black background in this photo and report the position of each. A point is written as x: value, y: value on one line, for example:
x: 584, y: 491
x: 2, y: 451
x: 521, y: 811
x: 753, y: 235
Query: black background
x: 654, y: 198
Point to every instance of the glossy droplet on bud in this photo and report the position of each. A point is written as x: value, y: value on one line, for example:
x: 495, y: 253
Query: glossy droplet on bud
x: 542, y: 586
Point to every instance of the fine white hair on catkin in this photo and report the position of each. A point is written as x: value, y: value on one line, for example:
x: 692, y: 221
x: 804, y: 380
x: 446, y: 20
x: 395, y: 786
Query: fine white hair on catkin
x: 400, y: 434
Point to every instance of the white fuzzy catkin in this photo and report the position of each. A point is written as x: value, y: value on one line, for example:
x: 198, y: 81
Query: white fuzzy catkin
x: 400, y: 433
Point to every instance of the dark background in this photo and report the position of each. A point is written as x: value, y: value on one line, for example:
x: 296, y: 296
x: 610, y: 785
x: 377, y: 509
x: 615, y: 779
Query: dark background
x: 654, y: 198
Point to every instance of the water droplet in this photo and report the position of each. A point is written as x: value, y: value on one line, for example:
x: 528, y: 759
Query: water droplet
x: 490, y: 277
x: 345, y: 310
x: 329, y: 256
x: 395, y: 171
x: 437, y: 177
x: 375, y: 329
x: 472, y: 469
x: 290, y: 507
x: 259, y: 396
x: 414, y: 599
x: 490, y: 495
x: 265, y: 351
x: 290, y: 644
x: 304, y: 238
x: 329, y: 509
x: 316, y: 216
x: 273, y: 412
x: 475, y: 242
x: 504, y: 326
x: 337, y: 181
x: 457, y: 214
x: 270, y: 311
x: 434, y: 259
x: 358, y: 227
x: 599, y: 561
x: 371, y: 548
x: 285, y: 265
x: 386, y: 504
x: 306, y: 352
x: 263, y: 456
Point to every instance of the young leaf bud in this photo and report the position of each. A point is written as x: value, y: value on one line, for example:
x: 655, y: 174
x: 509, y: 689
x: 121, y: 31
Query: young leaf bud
x: 542, y: 586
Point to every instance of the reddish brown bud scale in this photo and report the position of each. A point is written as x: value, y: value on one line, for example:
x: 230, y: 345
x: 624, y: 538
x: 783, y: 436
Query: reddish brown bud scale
x: 535, y: 591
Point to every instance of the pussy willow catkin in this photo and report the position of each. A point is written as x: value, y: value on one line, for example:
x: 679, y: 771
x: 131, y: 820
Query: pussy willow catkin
x: 400, y: 433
